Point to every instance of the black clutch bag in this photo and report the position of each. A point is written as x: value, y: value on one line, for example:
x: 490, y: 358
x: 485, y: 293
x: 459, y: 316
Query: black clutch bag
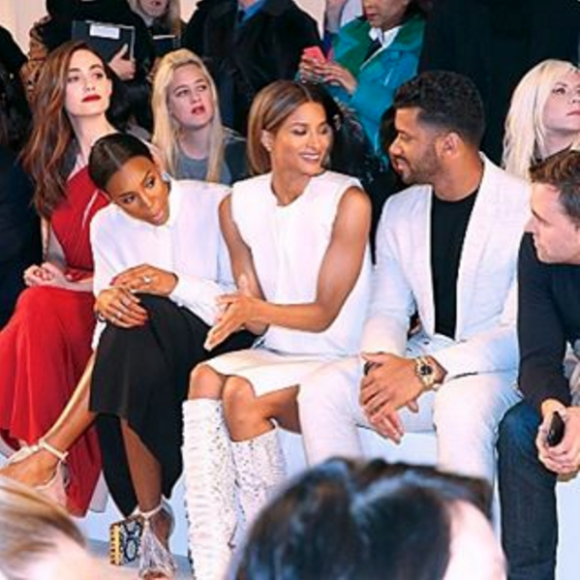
x: 124, y: 540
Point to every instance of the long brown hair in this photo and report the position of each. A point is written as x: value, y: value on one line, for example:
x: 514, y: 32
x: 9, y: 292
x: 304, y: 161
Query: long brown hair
x: 45, y: 154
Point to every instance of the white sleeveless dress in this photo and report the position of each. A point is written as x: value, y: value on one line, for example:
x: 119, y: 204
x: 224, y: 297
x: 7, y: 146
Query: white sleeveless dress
x: 288, y: 244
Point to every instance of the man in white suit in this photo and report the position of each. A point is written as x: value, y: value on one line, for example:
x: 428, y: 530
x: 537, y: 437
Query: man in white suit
x: 446, y: 251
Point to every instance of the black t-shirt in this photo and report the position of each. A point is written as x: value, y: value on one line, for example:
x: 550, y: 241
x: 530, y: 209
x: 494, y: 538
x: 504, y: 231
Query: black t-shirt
x: 449, y: 221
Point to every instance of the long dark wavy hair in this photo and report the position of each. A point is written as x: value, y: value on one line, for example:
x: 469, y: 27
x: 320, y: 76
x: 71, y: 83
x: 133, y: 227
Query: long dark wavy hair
x: 49, y: 154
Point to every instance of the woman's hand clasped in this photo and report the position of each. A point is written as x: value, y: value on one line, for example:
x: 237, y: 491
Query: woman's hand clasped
x: 119, y: 306
x: 47, y: 274
x: 147, y: 279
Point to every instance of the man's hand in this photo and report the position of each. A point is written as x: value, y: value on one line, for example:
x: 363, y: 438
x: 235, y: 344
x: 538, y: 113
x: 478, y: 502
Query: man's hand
x: 390, y: 384
x: 564, y: 458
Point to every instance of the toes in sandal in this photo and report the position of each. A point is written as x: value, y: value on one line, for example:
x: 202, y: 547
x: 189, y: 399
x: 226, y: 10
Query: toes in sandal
x: 155, y: 560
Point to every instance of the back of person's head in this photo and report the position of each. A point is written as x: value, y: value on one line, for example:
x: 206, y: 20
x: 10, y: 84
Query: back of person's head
x: 445, y: 100
x: 525, y: 130
x: 38, y: 540
x: 562, y: 171
x: 166, y: 128
x: 110, y: 153
x: 347, y: 520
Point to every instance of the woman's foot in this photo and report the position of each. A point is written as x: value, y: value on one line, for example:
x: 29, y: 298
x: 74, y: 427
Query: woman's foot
x: 156, y: 561
x: 36, y: 469
x: 40, y: 466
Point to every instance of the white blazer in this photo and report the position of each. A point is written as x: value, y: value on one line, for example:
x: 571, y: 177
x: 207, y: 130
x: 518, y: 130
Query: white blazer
x: 486, y: 338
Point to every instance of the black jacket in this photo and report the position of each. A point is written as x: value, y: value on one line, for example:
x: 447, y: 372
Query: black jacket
x: 244, y: 58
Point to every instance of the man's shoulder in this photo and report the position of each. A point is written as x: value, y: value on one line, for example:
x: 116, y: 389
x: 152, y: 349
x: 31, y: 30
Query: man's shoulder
x: 412, y: 197
x: 511, y: 189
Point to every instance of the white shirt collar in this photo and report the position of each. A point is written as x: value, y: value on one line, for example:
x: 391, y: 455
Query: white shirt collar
x: 385, y: 37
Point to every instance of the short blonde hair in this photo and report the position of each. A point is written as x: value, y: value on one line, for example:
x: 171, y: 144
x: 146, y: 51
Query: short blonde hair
x: 166, y: 130
x: 171, y: 20
x: 31, y: 527
x: 525, y: 132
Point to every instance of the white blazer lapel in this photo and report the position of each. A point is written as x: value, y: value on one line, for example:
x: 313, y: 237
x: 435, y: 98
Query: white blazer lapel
x: 479, y: 229
x: 421, y: 252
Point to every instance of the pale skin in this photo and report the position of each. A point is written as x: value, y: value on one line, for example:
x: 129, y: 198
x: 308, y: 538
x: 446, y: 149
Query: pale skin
x: 557, y: 241
x: 564, y: 458
x: 295, y: 160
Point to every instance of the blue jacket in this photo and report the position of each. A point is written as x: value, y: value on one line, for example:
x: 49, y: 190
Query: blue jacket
x: 380, y: 76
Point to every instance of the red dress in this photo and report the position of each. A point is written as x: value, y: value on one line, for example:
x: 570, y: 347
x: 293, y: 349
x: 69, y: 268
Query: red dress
x: 46, y: 345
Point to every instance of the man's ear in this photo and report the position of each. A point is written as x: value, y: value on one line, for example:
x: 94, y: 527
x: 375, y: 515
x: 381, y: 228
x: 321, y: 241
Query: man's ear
x: 449, y: 144
x: 267, y: 140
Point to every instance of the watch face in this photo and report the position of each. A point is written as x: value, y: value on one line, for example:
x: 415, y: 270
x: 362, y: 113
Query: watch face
x: 425, y: 370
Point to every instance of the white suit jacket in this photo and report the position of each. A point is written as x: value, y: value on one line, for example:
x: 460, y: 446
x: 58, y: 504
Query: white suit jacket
x: 486, y: 338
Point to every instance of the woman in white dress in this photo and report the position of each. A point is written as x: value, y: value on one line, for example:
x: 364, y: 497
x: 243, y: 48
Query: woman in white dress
x: 297, y: 237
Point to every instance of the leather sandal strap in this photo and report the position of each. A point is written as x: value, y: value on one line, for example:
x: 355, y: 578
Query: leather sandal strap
x: 60, y: 455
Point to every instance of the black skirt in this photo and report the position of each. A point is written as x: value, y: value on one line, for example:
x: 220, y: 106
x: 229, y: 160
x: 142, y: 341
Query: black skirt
x: 141, y: 375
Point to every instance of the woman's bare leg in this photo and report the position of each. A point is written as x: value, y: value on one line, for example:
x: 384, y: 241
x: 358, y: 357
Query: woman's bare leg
x: 73, y: 421
x: 259, y: 461
x: 145, y: 473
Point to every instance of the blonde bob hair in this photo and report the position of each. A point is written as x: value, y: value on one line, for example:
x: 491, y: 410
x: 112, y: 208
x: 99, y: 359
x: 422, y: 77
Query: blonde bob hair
x: 166, y: 129
x: 270, y: 109
x: 525, y: 132
x: 32, y: 529
x: 171, y: 20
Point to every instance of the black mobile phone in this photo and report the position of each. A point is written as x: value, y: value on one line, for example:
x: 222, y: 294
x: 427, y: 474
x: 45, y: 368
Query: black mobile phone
x: 556, y: 430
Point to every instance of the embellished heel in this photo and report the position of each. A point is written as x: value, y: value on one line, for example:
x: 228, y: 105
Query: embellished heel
x: 155, y: 560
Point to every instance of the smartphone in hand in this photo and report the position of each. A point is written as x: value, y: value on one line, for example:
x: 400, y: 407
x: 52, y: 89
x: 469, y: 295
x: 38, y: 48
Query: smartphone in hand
x: 314, y: 53
x: 556, y: 430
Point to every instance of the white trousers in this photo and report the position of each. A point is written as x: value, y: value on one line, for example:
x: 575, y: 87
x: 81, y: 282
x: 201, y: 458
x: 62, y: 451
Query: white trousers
x: 465, y: 413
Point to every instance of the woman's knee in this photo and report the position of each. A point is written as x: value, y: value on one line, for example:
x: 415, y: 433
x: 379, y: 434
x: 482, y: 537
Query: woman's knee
x: 205, y: 383
x: 239, y: 400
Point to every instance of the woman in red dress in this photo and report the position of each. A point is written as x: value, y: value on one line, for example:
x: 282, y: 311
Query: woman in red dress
x: 46, y: 346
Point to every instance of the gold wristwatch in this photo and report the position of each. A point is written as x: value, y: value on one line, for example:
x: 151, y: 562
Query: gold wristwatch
x: 425, y: 371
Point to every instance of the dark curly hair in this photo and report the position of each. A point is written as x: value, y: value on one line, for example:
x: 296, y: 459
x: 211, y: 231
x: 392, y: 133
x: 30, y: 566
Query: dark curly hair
x: 447, y: 100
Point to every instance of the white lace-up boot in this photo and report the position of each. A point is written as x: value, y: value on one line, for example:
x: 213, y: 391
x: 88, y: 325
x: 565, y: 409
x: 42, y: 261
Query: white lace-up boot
x: 260, y: 469
x: 209, y: 488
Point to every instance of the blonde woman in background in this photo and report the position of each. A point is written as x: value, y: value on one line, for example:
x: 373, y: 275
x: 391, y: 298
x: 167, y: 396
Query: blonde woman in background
x: 544, y: 115
x: 188, y: 132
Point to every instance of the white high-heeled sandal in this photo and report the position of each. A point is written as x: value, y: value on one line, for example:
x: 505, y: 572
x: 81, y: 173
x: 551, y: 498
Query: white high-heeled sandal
x: 55, y: 487
x: 154, y: 558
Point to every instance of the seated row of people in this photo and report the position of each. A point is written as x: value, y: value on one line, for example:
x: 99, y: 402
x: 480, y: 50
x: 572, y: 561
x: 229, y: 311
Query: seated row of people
x: 291, y: 231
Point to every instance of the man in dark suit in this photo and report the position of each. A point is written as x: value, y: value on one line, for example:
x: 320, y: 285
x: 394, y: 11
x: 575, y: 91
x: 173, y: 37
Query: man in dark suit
x: 248, y: 45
